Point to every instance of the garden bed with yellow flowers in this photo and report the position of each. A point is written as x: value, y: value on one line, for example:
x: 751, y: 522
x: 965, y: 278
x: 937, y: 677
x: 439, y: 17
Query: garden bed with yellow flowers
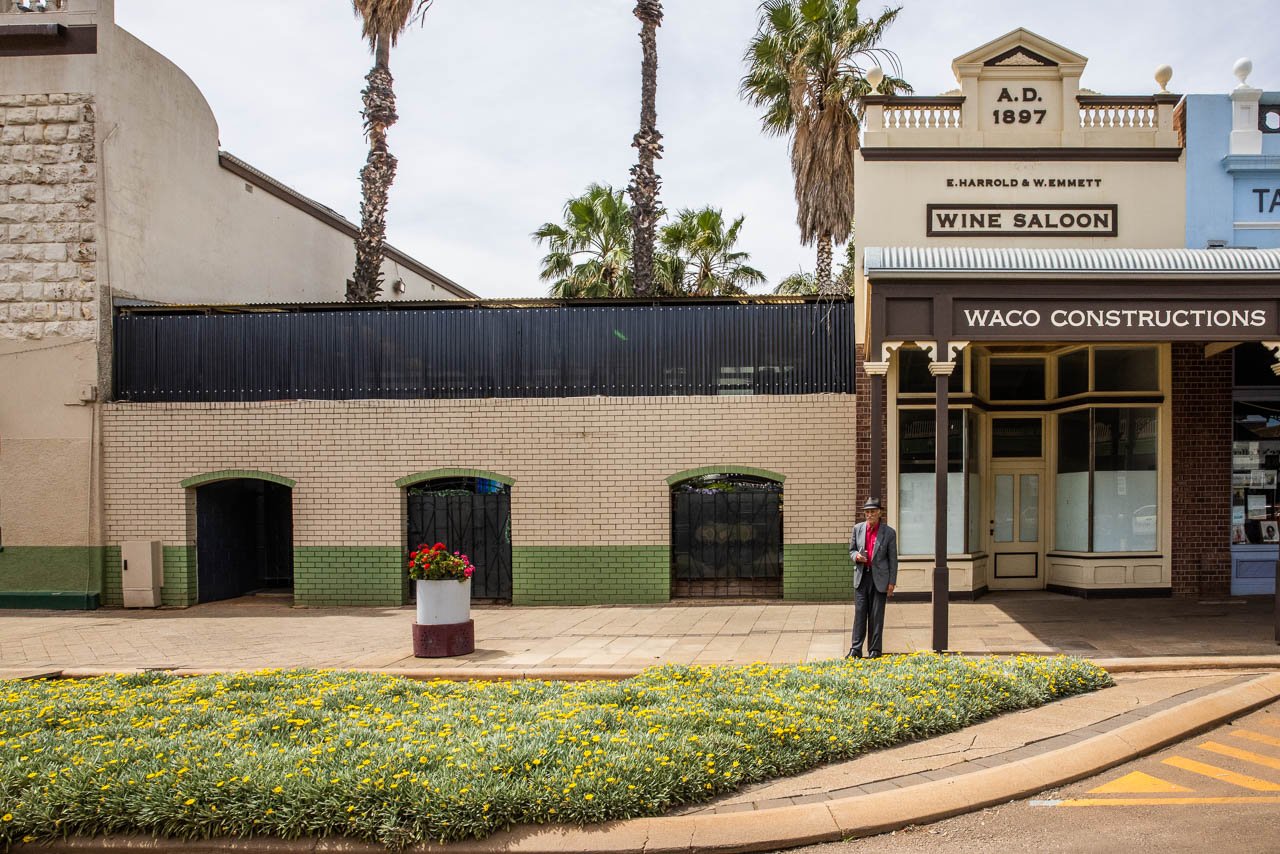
x: 328, y: 753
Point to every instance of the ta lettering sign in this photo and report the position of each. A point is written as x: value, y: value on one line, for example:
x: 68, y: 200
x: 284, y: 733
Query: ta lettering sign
x: 1021, y: 220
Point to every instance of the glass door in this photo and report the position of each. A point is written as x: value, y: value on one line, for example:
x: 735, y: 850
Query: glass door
x: 1017, y: 535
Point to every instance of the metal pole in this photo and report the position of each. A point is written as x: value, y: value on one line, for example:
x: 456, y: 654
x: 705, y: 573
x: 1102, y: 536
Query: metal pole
x: 941, y: 581
x: 877, y: 435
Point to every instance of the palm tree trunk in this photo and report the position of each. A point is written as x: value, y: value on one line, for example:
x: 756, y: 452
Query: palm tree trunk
x: 644, y: 179
x: 823, y: 274
x: 375, y: 178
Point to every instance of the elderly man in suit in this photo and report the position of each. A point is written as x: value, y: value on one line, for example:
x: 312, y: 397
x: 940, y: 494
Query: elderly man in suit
x: 874, y: 550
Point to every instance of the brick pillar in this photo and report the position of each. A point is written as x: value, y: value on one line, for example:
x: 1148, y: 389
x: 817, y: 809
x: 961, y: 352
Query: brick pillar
x: 1201, y: 516
x: 862, y: 436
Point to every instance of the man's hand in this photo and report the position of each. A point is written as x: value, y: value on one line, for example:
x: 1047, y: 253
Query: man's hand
x: 889, y: 590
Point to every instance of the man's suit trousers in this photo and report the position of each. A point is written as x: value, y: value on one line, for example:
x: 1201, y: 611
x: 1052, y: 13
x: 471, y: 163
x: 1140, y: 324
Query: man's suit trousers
x: 868, y: 616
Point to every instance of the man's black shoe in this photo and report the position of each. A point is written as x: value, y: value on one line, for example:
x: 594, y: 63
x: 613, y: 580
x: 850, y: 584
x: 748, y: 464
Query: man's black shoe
x: 873, y: 655
x: 854, y: 653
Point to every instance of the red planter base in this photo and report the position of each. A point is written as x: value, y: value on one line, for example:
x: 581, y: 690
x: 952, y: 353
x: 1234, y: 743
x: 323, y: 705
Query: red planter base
x: 444, y: 641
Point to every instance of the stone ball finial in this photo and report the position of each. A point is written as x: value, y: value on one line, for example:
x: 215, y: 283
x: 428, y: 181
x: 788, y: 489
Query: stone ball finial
x: 1163, y: 75
x: 1242, y: 69
x: 875, y: 76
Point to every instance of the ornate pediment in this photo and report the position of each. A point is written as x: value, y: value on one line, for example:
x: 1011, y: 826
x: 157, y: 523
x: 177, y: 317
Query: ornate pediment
x: 1019, y: 48
x: 1019, y: 56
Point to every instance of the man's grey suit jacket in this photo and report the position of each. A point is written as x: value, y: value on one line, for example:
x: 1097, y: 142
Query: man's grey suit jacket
x: 884, y: 563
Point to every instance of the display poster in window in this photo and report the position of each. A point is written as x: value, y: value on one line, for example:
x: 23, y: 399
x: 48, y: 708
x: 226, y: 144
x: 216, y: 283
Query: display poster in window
x: 1238, y: 536
x: 1270, y: 530
x: 1237, y: 515
x: 1256, y: 506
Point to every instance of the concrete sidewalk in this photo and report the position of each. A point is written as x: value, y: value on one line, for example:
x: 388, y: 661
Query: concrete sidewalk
x: 260, y: 632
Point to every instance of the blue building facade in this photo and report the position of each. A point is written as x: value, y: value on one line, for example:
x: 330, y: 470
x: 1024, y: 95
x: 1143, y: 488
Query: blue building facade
x: 1233, y: 199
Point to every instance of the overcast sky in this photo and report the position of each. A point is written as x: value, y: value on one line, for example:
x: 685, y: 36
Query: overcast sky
x: 509, y: 107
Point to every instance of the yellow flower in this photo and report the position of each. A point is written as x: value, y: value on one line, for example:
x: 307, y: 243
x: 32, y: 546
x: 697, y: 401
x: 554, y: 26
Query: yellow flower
x: 6, y: 817
x: 188, y: 802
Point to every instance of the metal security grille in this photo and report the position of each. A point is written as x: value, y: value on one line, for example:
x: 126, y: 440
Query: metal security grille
x: 471, y: 516
x: 726, y: 538
x: 474, y: 351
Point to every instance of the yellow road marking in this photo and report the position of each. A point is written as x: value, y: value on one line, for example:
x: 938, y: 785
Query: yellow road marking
x: 1222, y: 774
x: 1246, y: 755
x: 1138, y: 782
x: 1149, y: 802
x: 1259, y: 737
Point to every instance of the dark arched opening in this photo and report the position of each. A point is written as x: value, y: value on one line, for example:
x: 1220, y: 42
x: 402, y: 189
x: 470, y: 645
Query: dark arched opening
x: 726, y: 537
x: 244, y: 538
x: 471, y: 515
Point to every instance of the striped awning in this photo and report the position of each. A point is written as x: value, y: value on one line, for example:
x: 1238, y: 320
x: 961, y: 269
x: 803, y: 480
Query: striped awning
x: 968, y: 261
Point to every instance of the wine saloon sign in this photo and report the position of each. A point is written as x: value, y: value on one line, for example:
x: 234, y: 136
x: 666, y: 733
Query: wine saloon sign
x: 1022, y: 220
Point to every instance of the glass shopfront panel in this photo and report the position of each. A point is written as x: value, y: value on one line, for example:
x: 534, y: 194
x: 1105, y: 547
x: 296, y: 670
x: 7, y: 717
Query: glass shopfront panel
x: 917, y: 486
x: 1125, y: 487
x: 1071, y: 484
x: 1107, y: 461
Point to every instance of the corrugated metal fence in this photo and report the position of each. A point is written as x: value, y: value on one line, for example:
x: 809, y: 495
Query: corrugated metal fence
x: 555, y: 351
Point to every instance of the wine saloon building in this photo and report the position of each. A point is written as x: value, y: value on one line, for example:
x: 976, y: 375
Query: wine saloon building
x: 1019, y: 296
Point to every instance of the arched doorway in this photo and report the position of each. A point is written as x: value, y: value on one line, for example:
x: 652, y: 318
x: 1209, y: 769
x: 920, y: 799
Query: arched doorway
x: 726, y: 536
x: 244, y: 538
x: 469, y: 514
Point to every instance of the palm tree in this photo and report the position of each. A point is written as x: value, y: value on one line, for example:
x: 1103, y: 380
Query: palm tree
x: 701, y: 249
x: 645, y: 182
x: 806, y: 72
x: 799, y: 283
x: 382, y: 23
x: 590, y: 253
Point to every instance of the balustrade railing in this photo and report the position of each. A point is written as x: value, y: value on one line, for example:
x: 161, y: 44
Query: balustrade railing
x: 941, y: 113
x: 1122, y: 112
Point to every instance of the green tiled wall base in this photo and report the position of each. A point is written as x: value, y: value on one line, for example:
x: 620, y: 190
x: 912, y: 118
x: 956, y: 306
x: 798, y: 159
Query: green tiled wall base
x: 817, y: 571
x: 589, y: 575
x: 348, y: 575
x: 50, y: 576
x: 179, y: 587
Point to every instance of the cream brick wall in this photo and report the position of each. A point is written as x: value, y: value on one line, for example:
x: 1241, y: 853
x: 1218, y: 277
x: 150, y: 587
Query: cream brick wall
x: 587, y: 470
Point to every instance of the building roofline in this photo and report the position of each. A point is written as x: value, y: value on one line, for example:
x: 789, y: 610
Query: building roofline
x: 333, y: 219
x: 464, y: 304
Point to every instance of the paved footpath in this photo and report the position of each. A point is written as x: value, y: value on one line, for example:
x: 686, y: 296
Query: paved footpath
x: 616, y: 640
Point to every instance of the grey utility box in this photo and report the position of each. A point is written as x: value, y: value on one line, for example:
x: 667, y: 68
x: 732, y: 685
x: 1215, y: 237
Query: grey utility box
x: 141, y: 573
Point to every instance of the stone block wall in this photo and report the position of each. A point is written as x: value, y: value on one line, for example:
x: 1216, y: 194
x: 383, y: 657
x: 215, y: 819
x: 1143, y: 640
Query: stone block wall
x: 1201, y: 471
x: 590, y: 500
x: 48, y: 245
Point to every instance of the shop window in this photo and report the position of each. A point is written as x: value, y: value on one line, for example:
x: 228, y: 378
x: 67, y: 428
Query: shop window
x: 1253, y: 366
x: 1073, y: 373
x: 914, y: 376
x: 1255, y: 460
x: 1017, y: 379
x: 1126, y: 369
x: 916, y: 483
x: 1016, y: 437
x: 1125, y: 486
x: 1107, y: 480
x: 1071, y: 519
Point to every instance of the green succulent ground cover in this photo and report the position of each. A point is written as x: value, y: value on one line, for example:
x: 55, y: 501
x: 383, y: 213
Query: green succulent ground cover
x: 318, y: 753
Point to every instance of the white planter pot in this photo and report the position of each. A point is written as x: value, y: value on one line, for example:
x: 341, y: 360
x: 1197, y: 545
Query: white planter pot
x: 444, y: 602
